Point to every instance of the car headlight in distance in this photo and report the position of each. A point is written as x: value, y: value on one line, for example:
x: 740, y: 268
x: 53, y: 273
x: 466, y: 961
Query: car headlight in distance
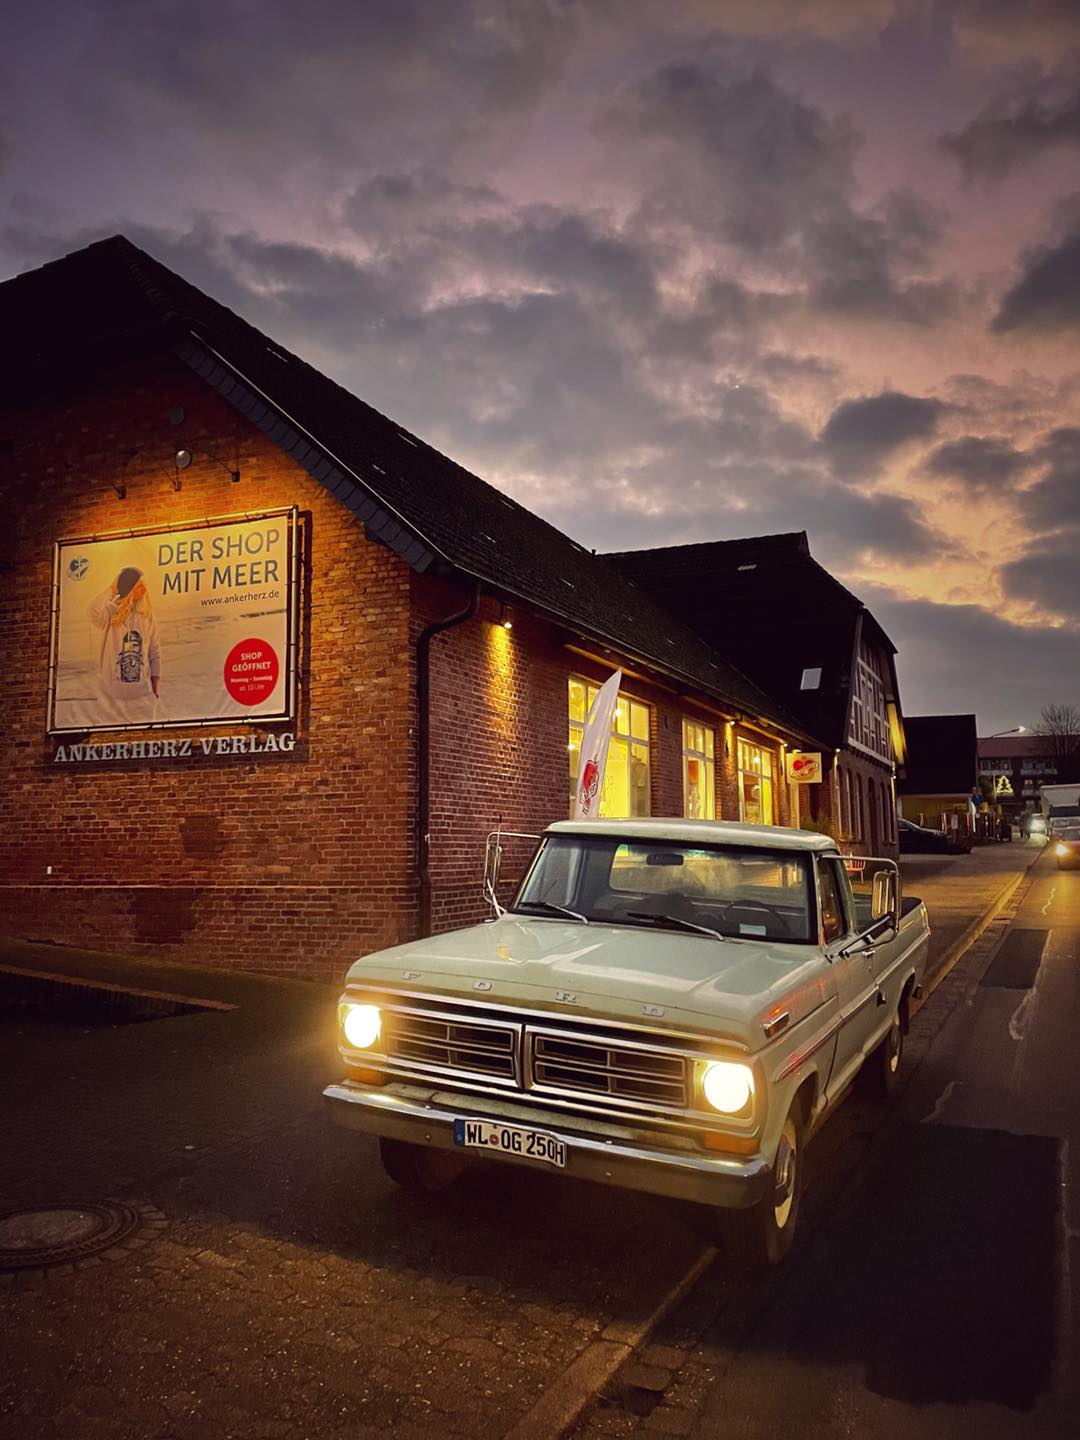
x: 1061, y: 849
x: 360, y: 1024
x: 728, y: 1086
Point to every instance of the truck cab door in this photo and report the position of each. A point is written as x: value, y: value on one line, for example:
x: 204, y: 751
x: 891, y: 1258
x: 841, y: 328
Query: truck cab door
x: 853, y: 974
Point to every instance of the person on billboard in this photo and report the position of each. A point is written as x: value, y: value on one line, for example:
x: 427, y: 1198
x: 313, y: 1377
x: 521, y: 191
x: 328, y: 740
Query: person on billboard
x: 129, y: 666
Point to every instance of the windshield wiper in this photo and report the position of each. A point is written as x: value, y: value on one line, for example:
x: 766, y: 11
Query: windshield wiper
x: 676, y: 922
x: 554, y: 909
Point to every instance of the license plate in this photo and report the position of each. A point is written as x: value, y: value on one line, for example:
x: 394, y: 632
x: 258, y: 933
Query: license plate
x: 510, y: 1140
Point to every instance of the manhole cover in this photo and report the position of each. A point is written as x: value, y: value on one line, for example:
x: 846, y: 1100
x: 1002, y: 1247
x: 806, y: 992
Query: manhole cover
x: 59, y: 1235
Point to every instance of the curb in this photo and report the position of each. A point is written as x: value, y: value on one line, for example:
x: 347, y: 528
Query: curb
x: 963, y: 943
x: 562, y: 1403
x: 48, y: 992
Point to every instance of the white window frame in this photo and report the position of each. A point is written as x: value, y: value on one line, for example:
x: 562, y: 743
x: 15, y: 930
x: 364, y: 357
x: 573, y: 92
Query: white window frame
x: 742, y: 741
x: 705, y: 755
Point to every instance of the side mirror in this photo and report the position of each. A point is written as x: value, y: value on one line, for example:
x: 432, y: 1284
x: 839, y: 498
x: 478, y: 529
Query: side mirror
x: 883, y: 899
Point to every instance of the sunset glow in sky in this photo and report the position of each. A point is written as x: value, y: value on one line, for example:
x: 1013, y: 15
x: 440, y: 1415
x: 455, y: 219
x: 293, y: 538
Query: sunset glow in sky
x: 664, y: 270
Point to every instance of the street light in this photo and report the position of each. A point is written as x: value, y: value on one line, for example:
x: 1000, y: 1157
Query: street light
x: 1016, y: 730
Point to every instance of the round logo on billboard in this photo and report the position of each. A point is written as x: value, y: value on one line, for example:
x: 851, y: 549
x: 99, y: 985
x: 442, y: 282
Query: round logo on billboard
x: 78, y: 566
x: 251, y: 672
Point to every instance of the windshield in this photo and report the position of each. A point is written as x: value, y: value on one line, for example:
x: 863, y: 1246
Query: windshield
x: 733, y: 890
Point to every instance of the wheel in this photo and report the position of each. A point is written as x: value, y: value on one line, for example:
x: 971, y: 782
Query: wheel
x: 880, y: 1073
x: 416, y: 1167
x: 764, y: 1233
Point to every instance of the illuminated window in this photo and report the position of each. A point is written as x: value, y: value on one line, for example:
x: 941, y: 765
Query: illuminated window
x: 755, y: 784
x: 625, y: 792
x: 699, y: 771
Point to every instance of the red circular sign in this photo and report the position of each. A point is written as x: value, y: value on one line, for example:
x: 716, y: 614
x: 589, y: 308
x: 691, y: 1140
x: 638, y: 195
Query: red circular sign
x: 251, y: 671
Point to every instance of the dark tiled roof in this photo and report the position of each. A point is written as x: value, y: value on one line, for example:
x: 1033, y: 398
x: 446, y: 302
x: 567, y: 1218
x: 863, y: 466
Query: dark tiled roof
x: 1019, y: 747
x: 943, y: 755
x: 113, y: 295
x: 767, y: 605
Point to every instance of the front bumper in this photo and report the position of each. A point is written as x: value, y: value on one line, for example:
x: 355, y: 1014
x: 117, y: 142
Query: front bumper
x: 611, y: 1155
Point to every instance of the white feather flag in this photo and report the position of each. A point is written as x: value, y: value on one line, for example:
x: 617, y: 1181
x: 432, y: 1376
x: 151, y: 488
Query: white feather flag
x: 594, y: 749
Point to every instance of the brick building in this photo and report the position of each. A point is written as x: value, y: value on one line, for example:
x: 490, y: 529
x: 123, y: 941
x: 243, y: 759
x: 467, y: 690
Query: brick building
x: 444, y: 641
x: 807, y: 640
x: 1019, y: 766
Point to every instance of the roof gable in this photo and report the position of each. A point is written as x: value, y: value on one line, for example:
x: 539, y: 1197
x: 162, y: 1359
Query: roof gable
x: 943, y: 755
x: 766, y: 604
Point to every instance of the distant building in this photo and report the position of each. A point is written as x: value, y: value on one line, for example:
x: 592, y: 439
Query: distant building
x: 942, y: 770
x: 770, y: 609
x: 1019, y: 766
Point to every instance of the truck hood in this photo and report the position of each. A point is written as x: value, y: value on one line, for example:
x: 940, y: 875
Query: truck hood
x: 718, y: 987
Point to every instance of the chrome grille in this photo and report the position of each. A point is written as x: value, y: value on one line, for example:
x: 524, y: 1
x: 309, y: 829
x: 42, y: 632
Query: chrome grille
x: 597, y: 1066
x: 456, y: 1044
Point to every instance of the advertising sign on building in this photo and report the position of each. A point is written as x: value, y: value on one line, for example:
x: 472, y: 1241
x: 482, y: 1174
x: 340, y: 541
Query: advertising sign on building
x: 804, y: 767
x: 183, y: 625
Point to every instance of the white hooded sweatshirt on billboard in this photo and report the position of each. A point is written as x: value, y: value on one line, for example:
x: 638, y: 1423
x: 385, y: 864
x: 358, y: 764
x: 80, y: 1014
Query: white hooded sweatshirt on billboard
x: 130, y: 652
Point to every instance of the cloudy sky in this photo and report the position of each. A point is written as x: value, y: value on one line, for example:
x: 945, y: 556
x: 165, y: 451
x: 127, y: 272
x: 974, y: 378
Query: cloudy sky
x: 665, y: 270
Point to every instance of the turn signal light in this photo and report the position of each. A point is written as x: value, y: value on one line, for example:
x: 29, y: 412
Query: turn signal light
x: 731, y: 1144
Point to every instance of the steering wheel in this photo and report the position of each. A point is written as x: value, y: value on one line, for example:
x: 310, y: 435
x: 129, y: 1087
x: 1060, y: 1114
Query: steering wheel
x: 758, y: 905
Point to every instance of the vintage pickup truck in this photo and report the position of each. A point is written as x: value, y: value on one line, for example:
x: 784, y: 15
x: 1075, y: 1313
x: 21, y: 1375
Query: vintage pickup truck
x: 665, y: 1005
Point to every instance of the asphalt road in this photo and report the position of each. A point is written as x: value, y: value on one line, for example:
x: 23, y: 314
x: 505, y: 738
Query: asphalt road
x: 937, y: 1295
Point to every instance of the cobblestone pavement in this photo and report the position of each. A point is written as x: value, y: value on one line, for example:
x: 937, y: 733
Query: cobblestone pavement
x: 295, y: 1291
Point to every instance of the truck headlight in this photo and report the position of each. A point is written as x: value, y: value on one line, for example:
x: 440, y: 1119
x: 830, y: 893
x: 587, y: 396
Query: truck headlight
x: 360, y: 1024
x: 728, y: 1086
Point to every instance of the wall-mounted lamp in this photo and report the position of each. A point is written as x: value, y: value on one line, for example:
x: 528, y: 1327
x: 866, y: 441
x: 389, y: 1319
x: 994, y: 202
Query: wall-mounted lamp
x: 121, y: 490
x: 185, y: 457
x: 504, y: 618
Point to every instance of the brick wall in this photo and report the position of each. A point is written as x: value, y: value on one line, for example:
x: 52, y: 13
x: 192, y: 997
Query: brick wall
x: 302, y: 861
x: 294, y: 863
x: 499, y: 740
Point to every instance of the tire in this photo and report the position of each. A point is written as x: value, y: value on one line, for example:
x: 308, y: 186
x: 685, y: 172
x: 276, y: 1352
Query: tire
x: 763, y: 1234
x: 880, y: 1073
x: 417, y: 1167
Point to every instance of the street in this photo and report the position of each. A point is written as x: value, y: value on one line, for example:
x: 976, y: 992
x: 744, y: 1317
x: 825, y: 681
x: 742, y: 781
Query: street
x: 295, y: 1292
x: 938, y: 1296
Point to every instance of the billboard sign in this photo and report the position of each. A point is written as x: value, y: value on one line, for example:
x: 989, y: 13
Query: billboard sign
x: 192, y: 624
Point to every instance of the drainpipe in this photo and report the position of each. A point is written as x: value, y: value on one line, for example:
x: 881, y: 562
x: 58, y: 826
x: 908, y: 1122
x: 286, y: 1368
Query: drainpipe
x: 423, y: 743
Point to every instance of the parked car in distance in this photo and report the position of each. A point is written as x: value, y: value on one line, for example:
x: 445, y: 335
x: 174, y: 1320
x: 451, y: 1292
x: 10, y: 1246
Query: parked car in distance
x: 671, y: 1006
x: 921, y: 840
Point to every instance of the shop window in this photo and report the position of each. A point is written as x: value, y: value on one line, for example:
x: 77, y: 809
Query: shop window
x: 699, y: 771
x: 755, y: 784
x: 625, y: 792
